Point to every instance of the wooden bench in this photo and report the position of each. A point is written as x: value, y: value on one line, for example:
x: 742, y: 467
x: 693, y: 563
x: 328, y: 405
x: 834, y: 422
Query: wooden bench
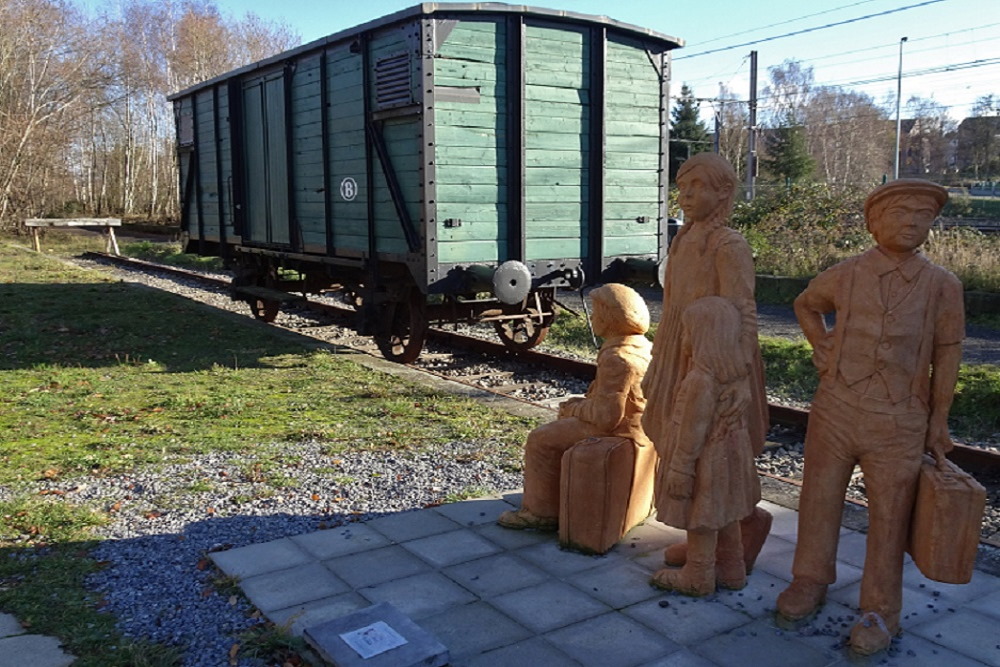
x: 105, y: 225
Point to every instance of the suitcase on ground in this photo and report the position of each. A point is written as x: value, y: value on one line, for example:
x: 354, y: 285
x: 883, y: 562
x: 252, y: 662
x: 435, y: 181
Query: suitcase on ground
x: 606, y: 488
x: 946, y: 523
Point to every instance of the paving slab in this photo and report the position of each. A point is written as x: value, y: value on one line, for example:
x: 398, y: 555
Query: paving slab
x: 450, y: 548
x: 561, y: 562
x: 496, y: 575
x: 255, y: 559
x: 10, y: 626
x: 548, y: 606
x: 686, y: 621
x: 300, y: 616
x: 272, y: 591
x: 618, y: 584
x: 512, y: 539
x: 33, y: 651
x: 475, y: 512
x: 682, y: 658
x: 340, y: 541
x: 611, y: 639
x: 412, y: 525
x: 531, y: 652
x: 761, y: 643
x: 966, y: 632
x: 377, y: 636
x: 474, y: 628
x: 420, y: 595
x: 376, y: 566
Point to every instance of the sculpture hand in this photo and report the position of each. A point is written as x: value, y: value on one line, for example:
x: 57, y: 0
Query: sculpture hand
x: 734, y: 400
x: 822, y: 348
x: 567, y: 407
x: 938, y: 440
x: 679, y: 485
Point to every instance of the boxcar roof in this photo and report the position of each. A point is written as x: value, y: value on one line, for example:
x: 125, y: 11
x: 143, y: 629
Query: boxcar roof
x: 429, y: 8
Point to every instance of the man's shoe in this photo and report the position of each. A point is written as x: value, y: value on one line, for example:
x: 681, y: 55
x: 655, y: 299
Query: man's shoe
x: 523, y: 519
x: 870, y: 634
x: 801, y: 600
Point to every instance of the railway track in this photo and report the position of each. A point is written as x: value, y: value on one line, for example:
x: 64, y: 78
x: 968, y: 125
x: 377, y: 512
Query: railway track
x: 528, y: 375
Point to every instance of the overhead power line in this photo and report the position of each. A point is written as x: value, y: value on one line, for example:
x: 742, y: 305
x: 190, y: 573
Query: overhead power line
x: 780, y: 23
x: 807, y: 30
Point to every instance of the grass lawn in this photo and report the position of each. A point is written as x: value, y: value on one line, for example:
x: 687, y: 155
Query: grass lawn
x: 101, y: 377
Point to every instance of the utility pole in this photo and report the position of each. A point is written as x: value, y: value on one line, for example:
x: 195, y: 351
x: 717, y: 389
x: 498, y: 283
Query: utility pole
x: 752, y: 134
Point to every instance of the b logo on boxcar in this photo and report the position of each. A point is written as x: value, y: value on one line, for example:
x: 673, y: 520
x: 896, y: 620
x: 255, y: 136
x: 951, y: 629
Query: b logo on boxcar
x: 348, y: 189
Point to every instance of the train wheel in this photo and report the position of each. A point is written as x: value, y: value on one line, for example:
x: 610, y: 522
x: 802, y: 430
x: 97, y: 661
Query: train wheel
x: 404, y: 329
x: 521, y: 334
x: 264, y: 310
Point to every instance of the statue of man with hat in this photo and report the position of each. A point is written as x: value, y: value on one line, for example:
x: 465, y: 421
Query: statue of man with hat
x: 887, y: 371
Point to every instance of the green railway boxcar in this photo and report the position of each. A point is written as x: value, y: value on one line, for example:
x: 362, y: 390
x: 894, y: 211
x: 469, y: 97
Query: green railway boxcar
x: 449, y: 161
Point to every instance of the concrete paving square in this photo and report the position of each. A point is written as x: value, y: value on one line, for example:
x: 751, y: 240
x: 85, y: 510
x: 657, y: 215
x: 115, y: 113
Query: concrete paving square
x: 528, y: 653
x: 340, y: 541
x: 254, y: 559
x: 685, y: 620
x: 682, y: 658
x: 299, y: 617
x: 512, y: 539
x: 561, y: 562
x: 376, y: 566
x: 617, y: 584
x: 412, y: 525
x: 33, y: 651
x: 549, y: 606
x: 10, y: 626
x: 611, y: 639
x: 474, y: 628
x: 757, y: 598
x: 475, y: 512
x: 495, y: 575
x: 450, y: 548
x: 420, y: 595
x: 988, y: 604
x: 966, y: 632
x: 272, y: 591
x: 761, y: 643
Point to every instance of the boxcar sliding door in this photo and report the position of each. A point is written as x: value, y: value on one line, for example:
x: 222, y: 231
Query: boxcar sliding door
x: 266, y: 159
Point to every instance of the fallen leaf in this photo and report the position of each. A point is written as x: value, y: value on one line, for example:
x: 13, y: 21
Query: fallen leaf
x: 51, y: 473
x: 233, y: 652
x: 202, y: 564
x: 233, y: 600
x: 315, y: 496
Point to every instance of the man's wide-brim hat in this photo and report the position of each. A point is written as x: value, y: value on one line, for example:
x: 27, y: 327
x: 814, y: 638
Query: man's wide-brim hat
x: 908, y: 187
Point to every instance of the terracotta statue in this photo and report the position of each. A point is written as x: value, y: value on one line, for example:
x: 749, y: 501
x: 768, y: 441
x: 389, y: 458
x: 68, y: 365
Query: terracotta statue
x: 887, y: 378
x: 612, y: 406
x: 708, y: 481
x: 706, y: 258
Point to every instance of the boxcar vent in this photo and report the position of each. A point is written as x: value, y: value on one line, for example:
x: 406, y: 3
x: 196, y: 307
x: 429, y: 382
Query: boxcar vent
x: 392, y: 81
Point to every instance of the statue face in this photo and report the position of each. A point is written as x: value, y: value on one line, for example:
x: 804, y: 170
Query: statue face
x: 903, y: 225
x: 698, y: 199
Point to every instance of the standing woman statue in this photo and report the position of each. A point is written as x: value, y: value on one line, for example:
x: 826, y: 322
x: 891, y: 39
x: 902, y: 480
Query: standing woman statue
x: 706, y: 258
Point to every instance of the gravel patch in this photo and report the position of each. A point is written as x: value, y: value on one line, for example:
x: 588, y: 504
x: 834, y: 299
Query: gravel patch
x: 165, y: 520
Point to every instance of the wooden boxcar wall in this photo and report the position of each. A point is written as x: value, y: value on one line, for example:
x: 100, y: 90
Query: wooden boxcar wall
x: 506, y: 136
x: 303, y: 176
x: 591, y: 132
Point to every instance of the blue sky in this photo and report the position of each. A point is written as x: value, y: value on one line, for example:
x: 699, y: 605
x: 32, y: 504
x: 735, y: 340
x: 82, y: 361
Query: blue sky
x: 964, y: 34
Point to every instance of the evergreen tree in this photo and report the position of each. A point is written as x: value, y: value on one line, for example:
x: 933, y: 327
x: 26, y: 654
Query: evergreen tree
x: 688, y: 135
x: 787, y: 154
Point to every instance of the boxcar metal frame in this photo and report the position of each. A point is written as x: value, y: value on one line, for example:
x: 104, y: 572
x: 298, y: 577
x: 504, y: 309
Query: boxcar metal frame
x: 248, y: 189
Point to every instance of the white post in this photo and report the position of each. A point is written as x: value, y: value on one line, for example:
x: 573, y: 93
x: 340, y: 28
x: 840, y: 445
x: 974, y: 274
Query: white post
x: 899, y: 95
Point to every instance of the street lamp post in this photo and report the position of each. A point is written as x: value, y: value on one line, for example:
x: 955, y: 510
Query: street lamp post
x: 899, y: 95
